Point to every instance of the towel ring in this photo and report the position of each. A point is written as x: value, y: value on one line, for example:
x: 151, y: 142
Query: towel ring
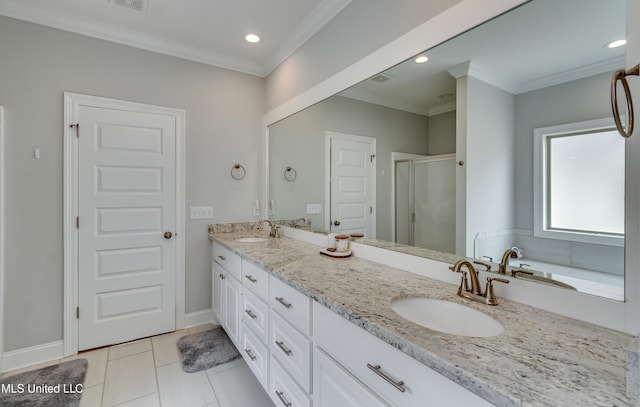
x: 290, y: 174
x: 238, y: 172
x: 621, y: 76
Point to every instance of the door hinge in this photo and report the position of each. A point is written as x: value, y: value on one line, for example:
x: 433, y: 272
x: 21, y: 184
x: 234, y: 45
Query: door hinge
x: 77, y: 222
x: 77, y: 312
x: 77, y: 127
x: 413, y: 218
x: 372, y: 157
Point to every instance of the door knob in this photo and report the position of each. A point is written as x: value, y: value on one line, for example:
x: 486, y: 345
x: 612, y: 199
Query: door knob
x: 168, y: 235
x: 336, y: 223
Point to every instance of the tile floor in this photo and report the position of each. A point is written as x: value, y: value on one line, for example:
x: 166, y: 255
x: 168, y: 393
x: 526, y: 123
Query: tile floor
x: 148, y: 373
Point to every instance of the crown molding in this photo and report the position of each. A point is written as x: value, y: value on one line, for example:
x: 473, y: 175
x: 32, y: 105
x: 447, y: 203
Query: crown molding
x: 319, y: 17
x: 474, y: 70
x: 443, y: 108
x: 572, y: 75
x: 355, y: 94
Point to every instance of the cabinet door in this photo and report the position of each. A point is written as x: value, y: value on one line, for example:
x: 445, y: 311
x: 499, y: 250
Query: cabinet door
x: 333, y: 386
x: 217, y: 290
x: 232, y: 303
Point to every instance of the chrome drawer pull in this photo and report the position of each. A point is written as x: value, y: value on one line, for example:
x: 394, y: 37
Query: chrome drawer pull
x: 377, y: 370
x: 283, y: 302
x: 250, y: 278
x: 286, y: 350
x: 251, y: 314
x: 283, y: 399
x: 221, y: 257
x: 251, y: 355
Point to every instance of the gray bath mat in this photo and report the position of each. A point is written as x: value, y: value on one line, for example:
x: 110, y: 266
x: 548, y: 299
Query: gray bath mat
x: 58, y: 385
x: 204, y: 350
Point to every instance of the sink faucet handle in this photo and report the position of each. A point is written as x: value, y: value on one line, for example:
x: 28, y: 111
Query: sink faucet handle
x: 488, y: 293
x: 482, y: 263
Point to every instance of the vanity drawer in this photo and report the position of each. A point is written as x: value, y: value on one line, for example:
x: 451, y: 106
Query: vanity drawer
x: 256, y: 354
x: 294, y: 306
x: 382, y: 367
x: 255, y: 314
x: 292, y: 349
x: 227, y: 259
x: 282, y: 389
x: 255, y: 279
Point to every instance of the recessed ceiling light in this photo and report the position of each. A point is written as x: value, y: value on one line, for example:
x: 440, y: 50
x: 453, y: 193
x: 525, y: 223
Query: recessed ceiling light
x: 421, y: 59
x: 252, y: 38
x: 616, y: 44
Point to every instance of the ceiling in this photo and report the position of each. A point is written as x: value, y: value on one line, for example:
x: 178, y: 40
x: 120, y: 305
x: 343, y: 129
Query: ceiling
x: 208, y: 31
x: 539, y: 44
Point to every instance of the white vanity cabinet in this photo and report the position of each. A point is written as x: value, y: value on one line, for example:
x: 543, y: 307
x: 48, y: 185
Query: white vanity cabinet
x: 306, y: 355
x: 290, y: 344
x: 334, y: 386
x: 226, y: 289
x: 255, y: 320
x: 391, y: 374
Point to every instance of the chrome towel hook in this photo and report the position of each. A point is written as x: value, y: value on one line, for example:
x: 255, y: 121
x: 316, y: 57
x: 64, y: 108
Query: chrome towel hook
x: 621, y: 76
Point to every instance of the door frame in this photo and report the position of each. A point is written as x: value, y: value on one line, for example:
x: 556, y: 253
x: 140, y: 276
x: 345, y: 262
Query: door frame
x: 328, y: 137
x: 72, y: 103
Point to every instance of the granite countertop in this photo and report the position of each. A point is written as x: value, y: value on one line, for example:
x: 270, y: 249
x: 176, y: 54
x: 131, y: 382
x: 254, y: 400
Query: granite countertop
x: 541, y: 358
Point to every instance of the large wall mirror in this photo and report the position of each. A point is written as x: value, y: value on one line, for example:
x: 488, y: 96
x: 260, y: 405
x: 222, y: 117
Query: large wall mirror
x: 500, y: 139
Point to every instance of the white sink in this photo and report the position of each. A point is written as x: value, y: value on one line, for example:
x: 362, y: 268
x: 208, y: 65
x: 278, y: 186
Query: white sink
x: 447, y: 317
x: 252, y: 239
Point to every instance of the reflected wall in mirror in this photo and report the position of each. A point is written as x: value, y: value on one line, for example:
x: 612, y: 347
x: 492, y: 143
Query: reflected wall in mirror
x: 480, y: 96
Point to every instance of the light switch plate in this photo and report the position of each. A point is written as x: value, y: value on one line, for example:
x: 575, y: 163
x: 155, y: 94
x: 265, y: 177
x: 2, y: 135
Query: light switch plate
x: 202, y: 212
x: 314, y: 209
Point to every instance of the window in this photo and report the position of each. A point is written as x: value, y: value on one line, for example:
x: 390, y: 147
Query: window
x: 579, y: 182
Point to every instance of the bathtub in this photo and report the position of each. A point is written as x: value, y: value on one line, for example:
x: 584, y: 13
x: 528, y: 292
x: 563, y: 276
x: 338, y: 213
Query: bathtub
x: 585, y: 281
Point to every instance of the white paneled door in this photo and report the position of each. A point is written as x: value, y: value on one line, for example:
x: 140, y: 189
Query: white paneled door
x: 126, y: 226
x: 352, y: 160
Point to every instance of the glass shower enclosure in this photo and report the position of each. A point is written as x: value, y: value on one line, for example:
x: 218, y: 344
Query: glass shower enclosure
x: 425, y: 202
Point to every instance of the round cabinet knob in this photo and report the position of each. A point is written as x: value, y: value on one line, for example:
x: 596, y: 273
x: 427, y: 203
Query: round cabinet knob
x: 336, y: 223
x: 168, y: 235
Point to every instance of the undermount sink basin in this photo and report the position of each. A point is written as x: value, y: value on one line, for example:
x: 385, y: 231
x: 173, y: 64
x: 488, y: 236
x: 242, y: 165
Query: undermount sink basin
x: 252, y: 239
x: 447, y: 317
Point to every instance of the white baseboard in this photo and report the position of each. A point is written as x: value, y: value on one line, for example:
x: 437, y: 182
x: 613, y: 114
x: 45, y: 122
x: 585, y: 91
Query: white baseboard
x: 17, y: 359
x: 199, y: 318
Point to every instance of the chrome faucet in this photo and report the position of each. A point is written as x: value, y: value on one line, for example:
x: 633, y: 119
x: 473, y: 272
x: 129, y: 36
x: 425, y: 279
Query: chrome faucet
x: 274, y: 231
x: 475, y: 293
x: 502, y: 268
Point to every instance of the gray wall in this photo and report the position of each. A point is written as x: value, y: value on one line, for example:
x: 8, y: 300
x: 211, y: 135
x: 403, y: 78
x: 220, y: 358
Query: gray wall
x: 299, y: 141
x: 442, y: 134
x: 223, y: 120
x: 361, y: 28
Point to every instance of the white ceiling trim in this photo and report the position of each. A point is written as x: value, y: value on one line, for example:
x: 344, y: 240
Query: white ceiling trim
x: 357, y: 94
x: 317, y: 19
x: 474, y: 70
x: 572, y: 75
x: 320, y: 16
